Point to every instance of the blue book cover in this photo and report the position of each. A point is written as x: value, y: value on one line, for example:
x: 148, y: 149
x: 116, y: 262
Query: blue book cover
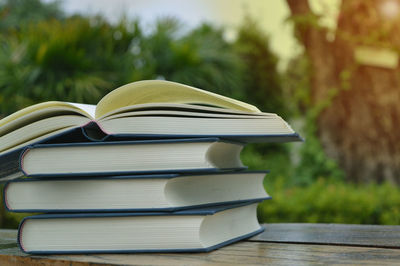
x: 93, y: 132
x: 159, y: 192
x: 194, y: 230
x: 13, y: 164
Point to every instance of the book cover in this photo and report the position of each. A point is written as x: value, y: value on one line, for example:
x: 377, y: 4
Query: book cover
x: 160, y: 192
x: 122, y: 158
x: 195, y: 230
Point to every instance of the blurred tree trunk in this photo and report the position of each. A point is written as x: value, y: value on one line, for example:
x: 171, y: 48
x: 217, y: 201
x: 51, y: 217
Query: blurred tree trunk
x: 360, y: 103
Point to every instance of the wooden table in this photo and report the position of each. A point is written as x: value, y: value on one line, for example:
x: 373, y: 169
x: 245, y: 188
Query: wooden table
x: 280, y: 244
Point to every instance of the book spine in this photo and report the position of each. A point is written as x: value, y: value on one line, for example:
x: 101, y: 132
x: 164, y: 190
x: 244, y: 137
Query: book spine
x: 93, y: 131
x: 10, y: 164
x: 5, y: 190
x: 19, y: 235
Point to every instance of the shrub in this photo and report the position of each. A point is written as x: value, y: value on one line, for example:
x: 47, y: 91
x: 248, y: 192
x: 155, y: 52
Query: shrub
x: 327, y: 201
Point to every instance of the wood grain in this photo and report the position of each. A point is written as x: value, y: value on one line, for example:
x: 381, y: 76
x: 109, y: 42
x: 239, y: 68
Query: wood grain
x: 280, y: 244
x: 242, y: 253
x: 332, y: 234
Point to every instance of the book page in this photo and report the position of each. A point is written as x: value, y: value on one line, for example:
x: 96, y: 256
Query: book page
x: 174, y: 113
x: 179, y: 108
x: 34, y: 140
x: 161, y: 91
x: 89, y: 109
x: 44, y: 110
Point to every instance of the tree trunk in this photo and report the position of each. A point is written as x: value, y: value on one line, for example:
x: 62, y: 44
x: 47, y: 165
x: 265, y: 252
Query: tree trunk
x: 358, y: 125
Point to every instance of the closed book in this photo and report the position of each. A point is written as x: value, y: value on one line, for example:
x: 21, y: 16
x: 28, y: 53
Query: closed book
x: 122, y: 157
x: 163, y: 192
x: 145, y: 109
x: 195, y: 230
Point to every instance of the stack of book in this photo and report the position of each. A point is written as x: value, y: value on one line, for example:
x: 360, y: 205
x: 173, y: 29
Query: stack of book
x: 155, y: 166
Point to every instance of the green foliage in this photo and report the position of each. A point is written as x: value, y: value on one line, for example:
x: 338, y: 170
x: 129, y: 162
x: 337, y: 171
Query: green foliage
x: 309, y: 161
x: 18, y: 13
x: 78, y: 59
x: 328, y: 201
x: 263, y: 85
x: 313, y: 162
x: 262, y: 81
x: 276, y: 161
x: 12, y: 220
x: 303, y: 22
x: 200, y: 58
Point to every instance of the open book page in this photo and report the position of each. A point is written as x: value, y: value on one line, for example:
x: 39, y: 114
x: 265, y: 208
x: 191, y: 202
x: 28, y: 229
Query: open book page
x: 180, y: 109
x: 88, y: 109
x: 180, y: 113
x: 41, y: 111
x: 15, y: 143
x: 161, y: 91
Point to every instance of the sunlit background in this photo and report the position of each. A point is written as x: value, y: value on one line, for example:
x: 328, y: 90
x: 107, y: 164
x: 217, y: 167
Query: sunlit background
x: 328, y: 67
x: 229, y: 14
x: 271, y: 16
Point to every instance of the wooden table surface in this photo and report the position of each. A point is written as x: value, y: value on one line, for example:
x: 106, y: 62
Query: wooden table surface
x: 280, y: 244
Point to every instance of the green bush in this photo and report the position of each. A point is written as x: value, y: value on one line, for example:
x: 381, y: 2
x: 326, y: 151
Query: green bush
x: 269, y: 157
x: 319, y: 200
x: 327, y: 201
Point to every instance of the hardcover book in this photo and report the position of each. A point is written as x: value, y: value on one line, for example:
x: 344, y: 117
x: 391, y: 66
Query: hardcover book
x: 162, y: 192
x: 195, y: 230
x: 122, y: 157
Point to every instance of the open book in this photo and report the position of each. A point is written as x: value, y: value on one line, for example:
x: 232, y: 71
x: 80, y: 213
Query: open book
x: 145, y: 109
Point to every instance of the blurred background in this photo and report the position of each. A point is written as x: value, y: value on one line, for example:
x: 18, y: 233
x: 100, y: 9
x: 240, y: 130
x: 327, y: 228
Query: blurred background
x: 329, y: 67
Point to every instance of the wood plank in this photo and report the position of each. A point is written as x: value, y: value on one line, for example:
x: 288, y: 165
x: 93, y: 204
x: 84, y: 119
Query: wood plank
x: 366, y: 244
x: 332, y: 234
x: 242, y: 253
